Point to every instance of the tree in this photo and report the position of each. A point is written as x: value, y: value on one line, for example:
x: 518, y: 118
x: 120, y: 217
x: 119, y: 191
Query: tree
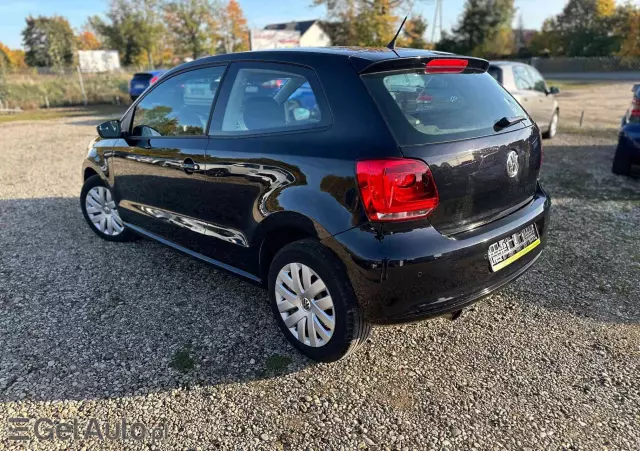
x: 233, y: 29
x: 11, y: 58
x: 627, y: 25
x: 87, y: 41
x: 413, y: 33
x: 192, y: 25
x: 133, y: 28
x: 483, y: 30
x: 48, y: 41
x: 371, y: 23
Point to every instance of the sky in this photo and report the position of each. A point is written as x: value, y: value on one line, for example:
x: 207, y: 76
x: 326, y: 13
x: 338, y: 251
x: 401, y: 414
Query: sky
x: 258, y: 12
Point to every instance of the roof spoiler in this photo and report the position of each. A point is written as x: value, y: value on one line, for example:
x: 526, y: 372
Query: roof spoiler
x: 473, y: 65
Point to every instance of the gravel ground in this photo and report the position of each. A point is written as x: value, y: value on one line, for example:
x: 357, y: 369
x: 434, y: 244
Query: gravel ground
x: 91, y: 329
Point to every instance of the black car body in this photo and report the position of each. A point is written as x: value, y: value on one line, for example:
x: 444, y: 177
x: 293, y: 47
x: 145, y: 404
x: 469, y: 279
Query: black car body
x: 627, y: 157
x: 234, y: 191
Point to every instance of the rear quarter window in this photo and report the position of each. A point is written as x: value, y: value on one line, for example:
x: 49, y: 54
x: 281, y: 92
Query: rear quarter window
x: 427, y: 108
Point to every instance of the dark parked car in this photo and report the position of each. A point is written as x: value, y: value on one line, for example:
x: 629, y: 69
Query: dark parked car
x: 525, y: 83
x: 141, y: 81
x: 362, y: 212
x: 627, y: 157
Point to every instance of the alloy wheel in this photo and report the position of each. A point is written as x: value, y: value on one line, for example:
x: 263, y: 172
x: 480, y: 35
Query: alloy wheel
x: 305, y: 304
x: 102, y: 211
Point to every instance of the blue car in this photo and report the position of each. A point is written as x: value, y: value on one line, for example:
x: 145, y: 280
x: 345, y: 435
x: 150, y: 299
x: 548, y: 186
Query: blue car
x: 627, y: 158
x: 141, y: 81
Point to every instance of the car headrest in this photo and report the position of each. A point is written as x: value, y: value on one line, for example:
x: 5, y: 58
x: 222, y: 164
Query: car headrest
x: 263, y: 112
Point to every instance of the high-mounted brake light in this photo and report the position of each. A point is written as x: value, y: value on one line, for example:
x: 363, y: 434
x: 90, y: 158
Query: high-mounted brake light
x: 446, y: 66
x: 153, y: 79
x: 396, y: 189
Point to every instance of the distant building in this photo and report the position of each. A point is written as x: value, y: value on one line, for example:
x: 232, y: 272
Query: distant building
x: 311, y: 32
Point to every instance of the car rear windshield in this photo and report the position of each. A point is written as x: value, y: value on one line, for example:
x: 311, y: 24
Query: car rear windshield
x: 427, y: 108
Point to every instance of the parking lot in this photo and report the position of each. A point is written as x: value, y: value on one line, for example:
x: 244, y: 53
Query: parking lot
x: 92, y: 329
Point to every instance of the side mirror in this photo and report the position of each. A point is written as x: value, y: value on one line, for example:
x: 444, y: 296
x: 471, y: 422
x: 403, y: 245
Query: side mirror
x: 109, y: 129
x: 553, y: 90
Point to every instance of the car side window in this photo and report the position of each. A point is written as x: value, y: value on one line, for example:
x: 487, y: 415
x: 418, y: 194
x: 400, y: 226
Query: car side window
x: 538, y: 82
x: 522, y: 78
x: 268, y: 100
x: 179, y: 106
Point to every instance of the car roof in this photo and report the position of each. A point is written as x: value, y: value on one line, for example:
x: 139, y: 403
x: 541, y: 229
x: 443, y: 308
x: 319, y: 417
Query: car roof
x: 364, y: 55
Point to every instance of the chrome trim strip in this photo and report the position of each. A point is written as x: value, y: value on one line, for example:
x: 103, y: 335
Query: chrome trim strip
x: 197, y: 255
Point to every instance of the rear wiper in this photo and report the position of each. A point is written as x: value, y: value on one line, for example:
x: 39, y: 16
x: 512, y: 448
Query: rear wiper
x: 508, y: 122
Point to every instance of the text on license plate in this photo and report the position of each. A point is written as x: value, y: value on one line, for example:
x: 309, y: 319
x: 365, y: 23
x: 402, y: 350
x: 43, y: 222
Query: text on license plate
x: 139, y: 86
x: 511, y: 248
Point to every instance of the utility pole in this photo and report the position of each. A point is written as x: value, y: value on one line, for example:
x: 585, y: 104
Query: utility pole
x: 437, y: 16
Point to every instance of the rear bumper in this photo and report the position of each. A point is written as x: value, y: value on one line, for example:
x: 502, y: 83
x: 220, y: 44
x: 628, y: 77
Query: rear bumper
x: 419, y: 273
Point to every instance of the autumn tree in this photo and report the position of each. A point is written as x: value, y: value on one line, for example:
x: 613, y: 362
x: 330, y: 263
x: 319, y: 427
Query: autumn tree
x: 627, y: 26
x: 11, y: 58
x: 48, y: 41
x: 233, y: 29
x: 193, y: 26
x: 87, y: 41
x: 371, y: 23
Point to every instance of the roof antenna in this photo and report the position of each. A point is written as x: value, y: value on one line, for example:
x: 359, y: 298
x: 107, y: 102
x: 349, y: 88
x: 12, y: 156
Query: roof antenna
x: 392, y: 45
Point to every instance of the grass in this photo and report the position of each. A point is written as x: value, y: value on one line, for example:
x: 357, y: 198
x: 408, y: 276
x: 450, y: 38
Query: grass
x: 575, y: 84
x: 182, y: 360
x: 57, y: 113
x: 30, y: 90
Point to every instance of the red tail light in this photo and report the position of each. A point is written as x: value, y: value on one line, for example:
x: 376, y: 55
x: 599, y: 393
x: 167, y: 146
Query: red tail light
x: 424, y: 98
x: 635, y: 108
x: 445, y: 66
x: 153, y: 79
x: 396, y: 189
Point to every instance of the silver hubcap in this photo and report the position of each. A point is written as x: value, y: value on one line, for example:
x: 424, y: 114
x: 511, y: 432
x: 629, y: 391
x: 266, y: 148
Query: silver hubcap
x: 102, y: 211
x: 554, y: 125
x: 305, y: 304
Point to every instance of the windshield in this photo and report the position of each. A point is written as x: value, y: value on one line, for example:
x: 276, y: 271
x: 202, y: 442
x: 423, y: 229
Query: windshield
x: 426, y: 108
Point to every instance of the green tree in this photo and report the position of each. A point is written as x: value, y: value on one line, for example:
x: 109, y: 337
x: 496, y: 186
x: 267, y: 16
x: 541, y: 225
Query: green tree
x: 193, y: 26
x: 133, y: 28
x: 48, y: 41
x: 483, y: 30
x: 584, y: 29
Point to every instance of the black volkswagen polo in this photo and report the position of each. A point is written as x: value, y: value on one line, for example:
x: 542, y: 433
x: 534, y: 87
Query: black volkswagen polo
x: 359, y: 186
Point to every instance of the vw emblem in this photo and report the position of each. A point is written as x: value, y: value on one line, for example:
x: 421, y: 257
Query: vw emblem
x: 453, y: 99
x: 512, y: 164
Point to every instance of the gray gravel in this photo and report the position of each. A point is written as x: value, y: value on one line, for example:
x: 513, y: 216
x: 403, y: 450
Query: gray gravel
x: 90, y: 329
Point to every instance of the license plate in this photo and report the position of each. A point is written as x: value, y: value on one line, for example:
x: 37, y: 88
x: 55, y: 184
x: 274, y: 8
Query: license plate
x: 139, y: 86
x: 511, y: 248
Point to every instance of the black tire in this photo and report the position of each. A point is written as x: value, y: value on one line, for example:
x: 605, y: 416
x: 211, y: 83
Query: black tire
x: 621, y: 161
x: 92, y: 182
x: 549, y: 134
x: 351, y: 330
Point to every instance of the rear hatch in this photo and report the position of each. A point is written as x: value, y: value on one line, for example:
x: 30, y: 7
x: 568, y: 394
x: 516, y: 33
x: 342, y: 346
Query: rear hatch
x: 481, y: 171
x: 141, y: 80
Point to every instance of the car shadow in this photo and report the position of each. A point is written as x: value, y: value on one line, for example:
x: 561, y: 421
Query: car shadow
x: 87, y: 319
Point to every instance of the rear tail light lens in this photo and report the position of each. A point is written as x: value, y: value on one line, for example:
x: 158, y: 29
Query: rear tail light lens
x: 153, y: 79
x: 424, y: 98
x: 396, y: 189
x: 635, y: 107
x: 446, y: 66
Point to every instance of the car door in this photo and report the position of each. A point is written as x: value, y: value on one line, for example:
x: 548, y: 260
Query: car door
x: 266, y: 114
x: 545, y: 100
x: 157, y: 165
x: 526, y: 95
